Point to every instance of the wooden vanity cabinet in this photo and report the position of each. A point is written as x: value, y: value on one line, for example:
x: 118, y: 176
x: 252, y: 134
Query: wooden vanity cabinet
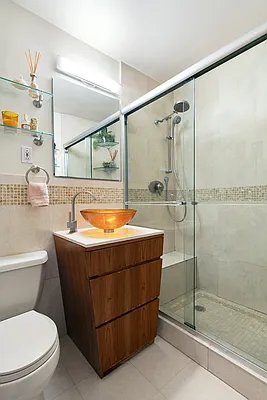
x: 110, y: 296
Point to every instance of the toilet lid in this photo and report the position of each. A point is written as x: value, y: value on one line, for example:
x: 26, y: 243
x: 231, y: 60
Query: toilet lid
x: 26, y: 342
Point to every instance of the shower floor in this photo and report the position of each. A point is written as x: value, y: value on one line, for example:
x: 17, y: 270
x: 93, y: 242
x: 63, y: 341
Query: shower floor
x: 242, y: 329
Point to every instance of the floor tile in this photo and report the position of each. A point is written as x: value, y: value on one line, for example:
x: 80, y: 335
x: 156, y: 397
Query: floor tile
x: 178, y: 336
x: 160, y: 362
x: 59, y: 383
x: 71, y: 394
x: 125, y: 382
x: 194, y: 382
x: 74, y: 361
x: 138, y: 379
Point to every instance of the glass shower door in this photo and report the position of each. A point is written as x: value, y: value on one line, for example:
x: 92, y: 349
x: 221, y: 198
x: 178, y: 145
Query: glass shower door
x: 184, y: 172
x: 160, y: 186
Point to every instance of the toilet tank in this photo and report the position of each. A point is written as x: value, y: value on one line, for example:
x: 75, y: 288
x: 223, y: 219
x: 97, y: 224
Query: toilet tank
x: 21, y: 279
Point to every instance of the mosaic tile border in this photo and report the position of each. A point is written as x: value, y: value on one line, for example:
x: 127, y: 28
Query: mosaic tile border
x: 233, y: 194
x: 239, y: 194
x: 16, y: 194
x: 144, y: 195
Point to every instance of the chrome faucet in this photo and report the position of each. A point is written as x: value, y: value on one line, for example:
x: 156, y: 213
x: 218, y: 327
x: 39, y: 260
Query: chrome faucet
x: 72, y: 223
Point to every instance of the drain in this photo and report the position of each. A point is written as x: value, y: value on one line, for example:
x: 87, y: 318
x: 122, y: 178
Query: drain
x: 200, y: 308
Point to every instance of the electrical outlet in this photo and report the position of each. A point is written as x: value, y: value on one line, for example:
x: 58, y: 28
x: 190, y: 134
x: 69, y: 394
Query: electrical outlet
x: 26, y: 154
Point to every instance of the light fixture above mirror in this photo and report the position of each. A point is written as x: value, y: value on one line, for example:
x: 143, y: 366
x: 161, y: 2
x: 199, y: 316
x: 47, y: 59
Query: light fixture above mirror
x: 88, y: 76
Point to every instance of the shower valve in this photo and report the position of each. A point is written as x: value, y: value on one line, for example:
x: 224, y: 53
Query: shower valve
x: 156, y: 187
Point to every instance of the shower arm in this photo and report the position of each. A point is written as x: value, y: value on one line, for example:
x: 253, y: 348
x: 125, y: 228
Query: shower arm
x: 179, y: 107
x: 159, y: 121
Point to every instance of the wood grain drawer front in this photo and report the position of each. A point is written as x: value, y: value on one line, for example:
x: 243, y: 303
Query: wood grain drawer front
x: 116, y: 294
x: 115, y: 258
x: 123, y: 337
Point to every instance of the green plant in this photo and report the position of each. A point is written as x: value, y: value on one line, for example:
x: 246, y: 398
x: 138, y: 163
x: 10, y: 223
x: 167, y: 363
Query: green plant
x: 103, y: 136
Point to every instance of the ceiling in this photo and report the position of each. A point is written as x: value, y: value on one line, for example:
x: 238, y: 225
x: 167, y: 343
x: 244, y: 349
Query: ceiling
x: 77, y: 99
x: 158, y: 37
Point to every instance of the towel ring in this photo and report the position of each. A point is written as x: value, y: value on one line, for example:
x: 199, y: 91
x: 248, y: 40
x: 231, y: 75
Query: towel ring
x: 35, y: 169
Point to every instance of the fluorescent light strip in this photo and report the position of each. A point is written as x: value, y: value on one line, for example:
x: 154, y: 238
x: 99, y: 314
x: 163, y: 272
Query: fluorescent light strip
x: 87, y: 77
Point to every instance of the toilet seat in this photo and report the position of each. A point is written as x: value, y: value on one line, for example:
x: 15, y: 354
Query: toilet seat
x: 27, y: 341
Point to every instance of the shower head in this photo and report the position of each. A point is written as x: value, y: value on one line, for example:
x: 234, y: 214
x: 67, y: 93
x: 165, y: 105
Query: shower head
x: 176, y: 120
x: 181, y: 106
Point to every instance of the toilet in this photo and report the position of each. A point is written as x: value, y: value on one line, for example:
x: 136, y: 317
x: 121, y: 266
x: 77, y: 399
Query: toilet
x: 29, y: 344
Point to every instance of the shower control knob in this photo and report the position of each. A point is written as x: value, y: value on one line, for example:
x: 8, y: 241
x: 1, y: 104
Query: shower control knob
x: 156, y: 187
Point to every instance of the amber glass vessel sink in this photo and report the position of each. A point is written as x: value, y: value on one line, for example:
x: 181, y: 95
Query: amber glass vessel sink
x: 108, y: 219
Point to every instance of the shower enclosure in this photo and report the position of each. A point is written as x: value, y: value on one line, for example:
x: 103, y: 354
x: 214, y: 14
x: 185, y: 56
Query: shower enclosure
x: 197, y: 168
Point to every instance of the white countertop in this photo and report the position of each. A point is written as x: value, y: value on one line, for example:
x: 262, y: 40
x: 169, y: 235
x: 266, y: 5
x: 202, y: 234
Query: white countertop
x: 91, y: 237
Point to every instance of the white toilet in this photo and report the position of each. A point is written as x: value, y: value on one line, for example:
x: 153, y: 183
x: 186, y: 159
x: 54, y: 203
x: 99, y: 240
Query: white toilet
x: 29, y: 345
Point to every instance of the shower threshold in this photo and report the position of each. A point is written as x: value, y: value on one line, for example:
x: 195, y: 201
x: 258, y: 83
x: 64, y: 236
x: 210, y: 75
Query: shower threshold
x: 239, y: 328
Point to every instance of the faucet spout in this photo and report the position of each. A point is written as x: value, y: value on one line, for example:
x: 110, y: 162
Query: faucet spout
x: 72, y: 223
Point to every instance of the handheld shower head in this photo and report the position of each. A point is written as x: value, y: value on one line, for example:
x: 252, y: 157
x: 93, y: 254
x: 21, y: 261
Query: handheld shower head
x: 181, y: 106
x: 166, y: 180
x: 176, y: 120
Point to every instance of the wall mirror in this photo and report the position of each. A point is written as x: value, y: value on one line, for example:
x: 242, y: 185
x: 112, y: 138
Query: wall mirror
x: 86, y: 130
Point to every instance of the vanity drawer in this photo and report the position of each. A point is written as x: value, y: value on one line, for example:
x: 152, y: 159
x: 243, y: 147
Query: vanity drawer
x: 123, y: 337
x: 116, y: 294
x: 116, y: 258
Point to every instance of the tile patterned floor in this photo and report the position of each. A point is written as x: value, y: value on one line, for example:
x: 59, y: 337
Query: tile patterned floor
x: 241, y: 328
x: 159, y: 372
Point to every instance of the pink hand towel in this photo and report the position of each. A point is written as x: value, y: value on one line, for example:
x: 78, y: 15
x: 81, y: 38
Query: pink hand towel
x: 38, y: 194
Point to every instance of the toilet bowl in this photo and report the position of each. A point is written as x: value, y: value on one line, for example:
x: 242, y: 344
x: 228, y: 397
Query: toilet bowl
x: 29, y: 344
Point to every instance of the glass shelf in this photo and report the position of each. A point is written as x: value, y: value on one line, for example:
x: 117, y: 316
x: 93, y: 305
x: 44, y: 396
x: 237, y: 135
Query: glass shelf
x: 105, y: 168
x: 20, y: 88
x: 11, y: 129
x: 106, y: 144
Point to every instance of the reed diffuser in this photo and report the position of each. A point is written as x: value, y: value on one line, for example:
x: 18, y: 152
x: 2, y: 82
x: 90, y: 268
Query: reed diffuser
x: 33, y: 64
x: 111, y: 163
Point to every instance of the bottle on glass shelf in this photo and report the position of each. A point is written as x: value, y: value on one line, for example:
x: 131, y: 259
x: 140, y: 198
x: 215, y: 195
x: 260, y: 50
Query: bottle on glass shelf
x: 25, y: 124
x: 34, y: 124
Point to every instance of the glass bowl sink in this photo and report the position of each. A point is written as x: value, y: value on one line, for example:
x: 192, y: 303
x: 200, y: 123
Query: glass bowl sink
x: 108, y: 219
